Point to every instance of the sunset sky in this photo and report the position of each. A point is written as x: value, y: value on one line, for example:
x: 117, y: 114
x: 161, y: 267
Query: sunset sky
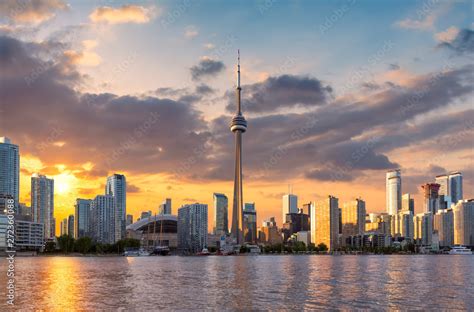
x: 335, y: 94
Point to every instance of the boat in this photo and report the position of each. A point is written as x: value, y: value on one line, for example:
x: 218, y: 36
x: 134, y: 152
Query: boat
x: 460, y: 250
x: 143, y: 253
x: 204, y: 252
x: 161, y: 250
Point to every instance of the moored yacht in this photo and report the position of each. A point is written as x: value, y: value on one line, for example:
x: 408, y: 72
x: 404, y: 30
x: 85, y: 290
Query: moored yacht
x: 460, y: 250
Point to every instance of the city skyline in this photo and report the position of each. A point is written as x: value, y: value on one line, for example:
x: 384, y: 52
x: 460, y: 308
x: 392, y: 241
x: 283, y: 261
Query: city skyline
x: 105, y: 112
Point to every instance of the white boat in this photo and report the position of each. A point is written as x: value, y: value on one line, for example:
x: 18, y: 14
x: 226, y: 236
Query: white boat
x: 460, y: 250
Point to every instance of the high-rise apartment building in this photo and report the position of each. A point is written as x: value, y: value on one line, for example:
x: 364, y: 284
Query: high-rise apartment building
x: 192, y: 228
x: 463, y: 213
x: 353, y: 218
x: 165, y: 207
x: 393, y: 191
x: 431, y: 194
x: 63, y: 227
x: 402, y: 225
x: 289, y: 205
x: 70, y: 226
x: 42, y: 203
x: 102, y: 220
x: 250, y: 223
x: 221, y: 219
x: 82, y: 218
x: 9, y: 170
x: 450, y: 187
x: 423, y: 228
x: 408, y: 203
x: 443, y: 223
x: 269, y: 233
x: 325, y: 224
x: 117, y: 187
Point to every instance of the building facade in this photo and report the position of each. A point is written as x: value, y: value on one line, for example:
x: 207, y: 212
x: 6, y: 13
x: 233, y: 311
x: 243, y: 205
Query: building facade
x: 221, y: 223
x: 165, y: 207
x: 70, y: 226
x: 402, y: 225
x: 289, y: 205
x: 325, y: 224
x: 250, y: 223
x: 42, y: 203
x: 29, y: 235
x: 269, y: 233
x: 82, y: 218
x: 430, y: 197
x: 423, y: 228
x: 393, y: 191
x: 192, y: 228
x: 443, y: 223
x: 117, y: 188
x: 9, y: 169
x: 102, y: 221
x: 463, y: 215
x: 408, y: 203
x: 353, y: 218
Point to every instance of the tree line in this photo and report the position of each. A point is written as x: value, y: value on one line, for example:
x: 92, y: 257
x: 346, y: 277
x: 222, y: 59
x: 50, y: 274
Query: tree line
x: 86, y: 245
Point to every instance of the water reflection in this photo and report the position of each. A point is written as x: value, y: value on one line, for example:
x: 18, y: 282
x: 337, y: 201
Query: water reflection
x: 243, y: 283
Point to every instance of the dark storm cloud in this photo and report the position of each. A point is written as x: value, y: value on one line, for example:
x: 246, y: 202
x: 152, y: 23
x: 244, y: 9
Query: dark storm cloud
x: 281, y: 92
x: 462, y: 44
x: 130, y: 133
x: 206, y: 68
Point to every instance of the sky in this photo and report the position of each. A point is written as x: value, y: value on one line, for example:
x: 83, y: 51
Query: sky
x: 335, y: 94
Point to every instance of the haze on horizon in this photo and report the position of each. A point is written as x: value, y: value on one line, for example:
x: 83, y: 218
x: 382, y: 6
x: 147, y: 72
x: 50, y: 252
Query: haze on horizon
x: 335, y: 95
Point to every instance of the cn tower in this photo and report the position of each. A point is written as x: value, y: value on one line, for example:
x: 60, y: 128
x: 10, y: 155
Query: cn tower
x: 238, y: 126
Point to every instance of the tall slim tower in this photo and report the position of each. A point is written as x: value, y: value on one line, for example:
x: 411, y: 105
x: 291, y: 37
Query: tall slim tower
x: 238, y: 126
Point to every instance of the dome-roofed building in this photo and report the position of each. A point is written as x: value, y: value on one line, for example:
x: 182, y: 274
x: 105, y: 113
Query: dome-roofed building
x: 157, y: 230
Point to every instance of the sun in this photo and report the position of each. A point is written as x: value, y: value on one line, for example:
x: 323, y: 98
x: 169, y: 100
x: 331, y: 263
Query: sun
x: 64, y: 183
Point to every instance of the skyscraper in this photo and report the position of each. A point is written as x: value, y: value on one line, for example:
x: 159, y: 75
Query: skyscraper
x: 431, y: 197
x: 393, y: 191
x: 289, y: 205
x: 408, y: 203
x: 129, y: 219
x: 221, y: 223
x: 192, y: 228
x: 117, y: 187
x: 9, y: 169
x: 423, y: 228
x: 402, y: 225
x: 325, y: 224
x: 165, y: 207
x: 353, y: 218
x: 82, y: 216
x: 238, y: 126
x: 464, y: 223
x: 250, y: 223
x: 443, y: 223
x: 70, y: 226
x: 42, y: 203
x: 63, y: 227
x: 102, y: 222
x: 455, y: 184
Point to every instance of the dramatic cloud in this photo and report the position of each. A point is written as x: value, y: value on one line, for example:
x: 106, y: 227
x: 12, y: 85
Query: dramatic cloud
x: 30, y: 11
x: 206, y: 68
x: 124, y: 14
x: 282, y: 92
x: 86, y: 57
x: 448, y: 35
x: 462, y: 43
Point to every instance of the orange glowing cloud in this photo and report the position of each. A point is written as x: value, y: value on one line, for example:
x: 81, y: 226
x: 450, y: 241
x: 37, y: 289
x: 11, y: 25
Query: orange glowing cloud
x: 124, y: 14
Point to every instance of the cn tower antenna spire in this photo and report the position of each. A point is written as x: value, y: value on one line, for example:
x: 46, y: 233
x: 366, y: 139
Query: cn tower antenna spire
x: 239, y: 108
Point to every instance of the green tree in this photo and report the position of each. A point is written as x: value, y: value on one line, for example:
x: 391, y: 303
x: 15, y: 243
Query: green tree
x: 83, y: 245
x: 66, y: 243
x: 50, y: 247
x: 322, y: 247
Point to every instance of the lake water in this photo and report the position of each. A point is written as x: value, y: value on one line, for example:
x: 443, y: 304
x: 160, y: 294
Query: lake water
x: 243, y: 283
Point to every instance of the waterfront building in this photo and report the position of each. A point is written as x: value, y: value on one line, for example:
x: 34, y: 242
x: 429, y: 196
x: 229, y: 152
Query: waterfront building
x: 238, y: 127
x: 129, y: 219
x: 42, y: 203
x: 289, y: 205
x: 325, y: 224
x: 431, y: 200
x: 165, y: 207
x: 29, y: 235
x: 307, y: 210
x: 393, y: 191
x: 463, y: 213
x: 192, y: 228
x: 70, y: 226
x: 221, y: 223
x: 353, y: 218
x: 423, y: 228
x: 117, y: 188
x: 102, y: 220
x: 158, y: 230
x: 402, y: 225
x: 443, y: 223
x: 82, y: 218
x: 250, y: 223
x: 9, y: 169
x: 294, y: 223
x: 269, y: 233
x: 455, y: 184
x: 408, y: 203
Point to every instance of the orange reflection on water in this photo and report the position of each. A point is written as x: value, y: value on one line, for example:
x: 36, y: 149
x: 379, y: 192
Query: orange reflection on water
x: 64, y: 284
